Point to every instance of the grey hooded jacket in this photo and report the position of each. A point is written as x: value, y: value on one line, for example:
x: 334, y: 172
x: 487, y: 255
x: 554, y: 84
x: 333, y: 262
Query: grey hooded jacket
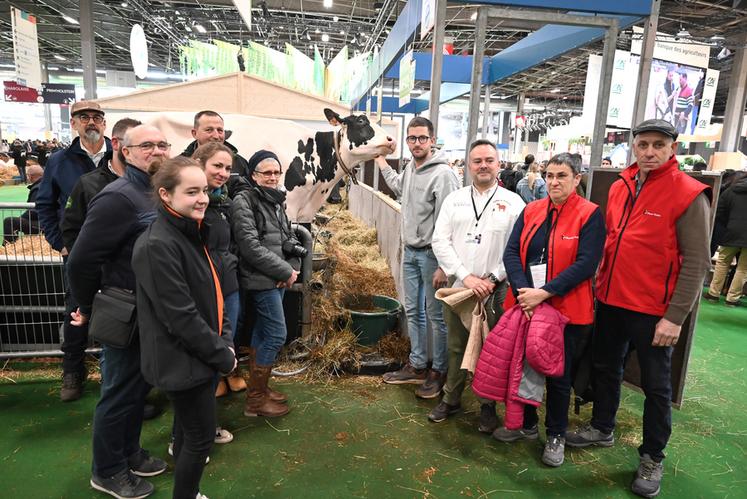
x: 421, y: 190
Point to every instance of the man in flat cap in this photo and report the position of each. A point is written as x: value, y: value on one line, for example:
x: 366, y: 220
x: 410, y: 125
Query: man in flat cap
x: 62, y: 172
x: 655, y: 258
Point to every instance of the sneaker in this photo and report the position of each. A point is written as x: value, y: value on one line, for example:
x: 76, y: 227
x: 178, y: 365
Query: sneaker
x: 554, y: 453
x: 72, y: 386
x: 488, y: 419
x: 443, y: 411
x: 588, y: 435
x: 143, y: 464
x: 647, y: 481
x: 406, y: 375
x: 201, y: 496
x: 731, y: 304
x: 432, y: 386
x: 709, y: 297
x: 171, y: 452
x: 503, y: 434
x: 123, y: 485
x: 223, y: 436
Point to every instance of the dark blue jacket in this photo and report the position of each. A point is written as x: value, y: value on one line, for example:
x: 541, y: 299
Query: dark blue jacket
x: 103, y: 250
x: 61, y: 173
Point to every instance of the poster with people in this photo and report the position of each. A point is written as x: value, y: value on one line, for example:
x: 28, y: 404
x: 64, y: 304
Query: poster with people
x: 674, y: 94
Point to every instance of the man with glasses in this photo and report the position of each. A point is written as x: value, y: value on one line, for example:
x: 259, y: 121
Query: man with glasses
x: 101, y: 258
x: 208, y: 127
x: 62, y: 172
x: 422, y: 187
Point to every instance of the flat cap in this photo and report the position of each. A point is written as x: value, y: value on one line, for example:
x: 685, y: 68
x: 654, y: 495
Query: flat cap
x: 660, y: 126
x: 85, y: 105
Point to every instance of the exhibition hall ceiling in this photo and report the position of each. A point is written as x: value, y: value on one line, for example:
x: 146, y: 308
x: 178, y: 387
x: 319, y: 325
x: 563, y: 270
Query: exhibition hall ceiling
x: 332, y: 24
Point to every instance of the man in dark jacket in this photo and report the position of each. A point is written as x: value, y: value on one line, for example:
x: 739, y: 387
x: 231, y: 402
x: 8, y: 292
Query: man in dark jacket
x: 19, y: 155
x: 732, y: 219
x: 111, y: 167
x: 28, y: 221
x: 208, y: 127
x: 102, y: 258
x: 62, y: 172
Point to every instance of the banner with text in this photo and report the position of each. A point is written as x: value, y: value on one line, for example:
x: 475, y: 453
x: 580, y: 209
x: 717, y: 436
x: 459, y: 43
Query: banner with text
x: 50, y: 93
x: 704, y: 108
x: 669, y: 48
x: 427, y: 17
x: 26, y: 48
x: 406, y: 78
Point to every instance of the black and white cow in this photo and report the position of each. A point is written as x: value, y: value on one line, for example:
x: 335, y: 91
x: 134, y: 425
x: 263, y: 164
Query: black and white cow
x: 323, y: 158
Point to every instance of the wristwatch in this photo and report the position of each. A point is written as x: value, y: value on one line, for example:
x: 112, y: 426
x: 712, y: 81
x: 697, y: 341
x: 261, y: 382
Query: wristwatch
x: 492, y: 278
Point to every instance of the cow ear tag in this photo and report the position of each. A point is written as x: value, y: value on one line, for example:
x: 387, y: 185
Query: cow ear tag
x: 333, y: 118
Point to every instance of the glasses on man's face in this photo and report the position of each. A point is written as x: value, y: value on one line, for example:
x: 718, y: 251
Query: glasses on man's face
x: 270, y: 173
x: 411, y: 139
x: 150, y: 146
x: 84, y: 118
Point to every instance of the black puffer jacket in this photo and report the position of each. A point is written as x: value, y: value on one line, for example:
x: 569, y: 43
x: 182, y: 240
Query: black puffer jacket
x: 259, y: 237
x: 177, y: 306
x: 220, y: 242
x: 731, y: 215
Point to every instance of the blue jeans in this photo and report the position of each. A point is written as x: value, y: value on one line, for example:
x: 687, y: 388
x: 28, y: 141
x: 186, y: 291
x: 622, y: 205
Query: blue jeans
x: 269, y: 333
x: 118, y: 417
x: 232, y: 308
x: 418, y: 269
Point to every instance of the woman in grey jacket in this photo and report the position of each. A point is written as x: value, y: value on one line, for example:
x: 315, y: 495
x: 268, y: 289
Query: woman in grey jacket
x: 269, y: 263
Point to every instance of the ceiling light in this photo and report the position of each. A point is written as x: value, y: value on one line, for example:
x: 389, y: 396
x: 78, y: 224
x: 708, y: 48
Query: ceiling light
x: 200, y: 28
x: 325, y: 37
x: 188, y: 28
x: 335, y: 18
x: 51, y: 68
x: 327, y: 4
x: 342, y: 31
x: 473, y: 16
x: 683, y: 33
x: 70, y: 20
x: 316, y: 31
x: 555, y: 91
x: 59, y: 57
x: 124, y: 4
x: 177, y: 12
x: 717, y: 38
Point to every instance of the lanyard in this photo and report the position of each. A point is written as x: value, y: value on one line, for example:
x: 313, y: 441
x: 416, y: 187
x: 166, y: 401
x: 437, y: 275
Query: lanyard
x: 550, y: 227
x: 474, y: 207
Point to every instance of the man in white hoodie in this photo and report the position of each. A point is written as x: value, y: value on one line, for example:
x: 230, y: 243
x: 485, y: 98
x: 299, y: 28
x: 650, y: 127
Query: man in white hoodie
x: 422, y: 188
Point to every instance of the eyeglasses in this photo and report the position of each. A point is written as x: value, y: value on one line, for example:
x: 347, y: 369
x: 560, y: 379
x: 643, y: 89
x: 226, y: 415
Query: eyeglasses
x: 411, y: 139
x: 149, y: 146
x: 268, y: 174
x: 84, y: 118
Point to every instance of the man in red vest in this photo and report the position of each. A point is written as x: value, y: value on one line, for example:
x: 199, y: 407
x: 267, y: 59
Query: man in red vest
x: 655, y: 258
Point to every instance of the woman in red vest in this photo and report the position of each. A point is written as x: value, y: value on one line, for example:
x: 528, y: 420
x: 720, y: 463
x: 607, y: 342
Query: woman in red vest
x: 552, y: 254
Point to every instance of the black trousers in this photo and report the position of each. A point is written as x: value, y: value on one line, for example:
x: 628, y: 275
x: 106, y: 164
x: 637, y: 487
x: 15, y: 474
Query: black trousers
x: 194, y: 434
x: 559, y: 389
x: 75, y: 338
x: 615, y: 329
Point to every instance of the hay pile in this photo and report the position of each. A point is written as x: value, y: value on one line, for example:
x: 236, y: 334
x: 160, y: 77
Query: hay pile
x: 29, y: 245
x: 355, y: 266
x: 8, y: 172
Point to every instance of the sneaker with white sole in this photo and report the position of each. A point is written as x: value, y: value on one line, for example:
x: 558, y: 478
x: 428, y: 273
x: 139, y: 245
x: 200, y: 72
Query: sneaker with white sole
x: 554, y: 453
x: 201, y: 496
x: 143, y: 464
x: 223, y: 436
x: 123, y: 485
x: 647, y: 481
x: 503, y: 434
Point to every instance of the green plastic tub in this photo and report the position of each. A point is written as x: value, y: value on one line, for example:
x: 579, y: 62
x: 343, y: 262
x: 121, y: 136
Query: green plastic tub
x: 372, y: 316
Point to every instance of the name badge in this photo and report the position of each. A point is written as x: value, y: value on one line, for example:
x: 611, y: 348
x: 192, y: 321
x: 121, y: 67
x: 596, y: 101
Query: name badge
x: 539, y: 273
x: 473, y: 238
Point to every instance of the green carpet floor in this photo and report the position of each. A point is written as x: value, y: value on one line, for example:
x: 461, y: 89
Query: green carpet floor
x: 12, y: 194
x: 358, y: 438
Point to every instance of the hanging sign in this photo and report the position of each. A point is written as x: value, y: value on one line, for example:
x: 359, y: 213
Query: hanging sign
x: 704, y: 109
x: 26, y: 48
x: 139, y: 51
x: 672, y: 49
x: 51, y: 93
x: 427, y: 17
x: 406, y: 78
x: 245, y: 11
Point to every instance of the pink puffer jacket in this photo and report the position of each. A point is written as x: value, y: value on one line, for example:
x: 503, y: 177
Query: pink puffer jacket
x: 500, y: 368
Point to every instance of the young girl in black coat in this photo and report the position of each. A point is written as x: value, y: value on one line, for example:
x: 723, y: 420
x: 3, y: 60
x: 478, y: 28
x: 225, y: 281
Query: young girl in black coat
x: 185, y: 338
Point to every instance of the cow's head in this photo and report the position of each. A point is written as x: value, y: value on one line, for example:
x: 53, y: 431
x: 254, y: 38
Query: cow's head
x: 359, y: 140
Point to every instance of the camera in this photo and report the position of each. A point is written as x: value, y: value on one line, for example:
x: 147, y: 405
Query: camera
x: 291, y: 247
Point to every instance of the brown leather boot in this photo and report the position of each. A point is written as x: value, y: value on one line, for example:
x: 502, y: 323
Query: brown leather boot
x: 235, y: 381
x: 258, y: 401
x: 222, y: 389
x: 273, y: 394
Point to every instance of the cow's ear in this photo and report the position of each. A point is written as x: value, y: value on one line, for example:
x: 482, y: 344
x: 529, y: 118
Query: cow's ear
x: 333, y: 118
